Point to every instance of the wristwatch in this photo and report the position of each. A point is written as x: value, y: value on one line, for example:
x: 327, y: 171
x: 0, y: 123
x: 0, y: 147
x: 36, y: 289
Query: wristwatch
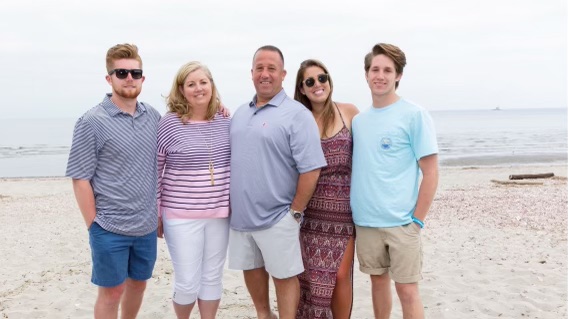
x: 297, y: 214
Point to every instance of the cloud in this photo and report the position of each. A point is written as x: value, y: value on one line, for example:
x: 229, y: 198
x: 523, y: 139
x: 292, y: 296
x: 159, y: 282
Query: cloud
x: 462, y: 54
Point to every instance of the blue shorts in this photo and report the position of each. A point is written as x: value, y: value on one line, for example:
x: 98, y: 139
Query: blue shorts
x: 117, y: 257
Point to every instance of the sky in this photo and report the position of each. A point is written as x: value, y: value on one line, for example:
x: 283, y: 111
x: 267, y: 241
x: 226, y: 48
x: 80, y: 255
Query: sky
x: 460, y: 54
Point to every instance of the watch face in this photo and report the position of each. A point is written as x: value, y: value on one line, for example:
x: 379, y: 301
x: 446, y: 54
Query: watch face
x: 297, y: 215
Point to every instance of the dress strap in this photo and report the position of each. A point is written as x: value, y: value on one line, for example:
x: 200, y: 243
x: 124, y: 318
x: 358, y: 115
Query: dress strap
x: 338, y: 111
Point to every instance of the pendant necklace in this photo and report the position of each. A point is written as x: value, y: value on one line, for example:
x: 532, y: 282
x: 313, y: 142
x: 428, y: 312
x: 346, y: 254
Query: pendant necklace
x: 211, y: 167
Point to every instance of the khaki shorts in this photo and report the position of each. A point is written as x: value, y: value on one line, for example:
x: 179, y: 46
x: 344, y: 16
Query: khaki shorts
x: 276, y: 248
x: 397, y: 250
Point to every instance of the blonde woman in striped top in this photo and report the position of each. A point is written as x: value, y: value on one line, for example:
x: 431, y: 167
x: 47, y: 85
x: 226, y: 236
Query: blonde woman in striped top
x: 193, y: 189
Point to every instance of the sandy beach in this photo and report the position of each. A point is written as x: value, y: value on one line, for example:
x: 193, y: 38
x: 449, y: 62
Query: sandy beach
x: 491, y: 250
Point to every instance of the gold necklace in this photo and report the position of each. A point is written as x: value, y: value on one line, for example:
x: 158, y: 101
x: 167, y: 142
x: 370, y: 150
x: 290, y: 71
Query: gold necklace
x: 211, y: 167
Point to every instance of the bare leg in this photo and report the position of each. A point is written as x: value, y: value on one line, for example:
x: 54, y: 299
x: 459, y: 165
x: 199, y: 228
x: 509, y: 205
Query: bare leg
x: 382, y: 298
x: 287, y: 296
x: 208, y: 308
x: 183, y: 311
x: 342, y: 298
x: 409, y: 296
x: 108, y: 299
x: 132, y: 298
x: 257, y: 285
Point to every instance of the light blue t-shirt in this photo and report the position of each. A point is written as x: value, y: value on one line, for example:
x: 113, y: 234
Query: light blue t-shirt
x: 387, y: 144
x: 270, y: 147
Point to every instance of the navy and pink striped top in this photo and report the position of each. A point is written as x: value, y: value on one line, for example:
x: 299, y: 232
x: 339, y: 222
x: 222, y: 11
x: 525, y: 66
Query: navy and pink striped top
x: 184, y: 180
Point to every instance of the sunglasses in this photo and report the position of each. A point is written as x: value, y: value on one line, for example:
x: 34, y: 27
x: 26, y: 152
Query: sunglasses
x: 123, y: 73
x: 322, y: 78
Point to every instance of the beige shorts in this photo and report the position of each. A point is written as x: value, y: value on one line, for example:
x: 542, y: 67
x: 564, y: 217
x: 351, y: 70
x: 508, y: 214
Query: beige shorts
x: 276, y: 248
x: 397, y: 250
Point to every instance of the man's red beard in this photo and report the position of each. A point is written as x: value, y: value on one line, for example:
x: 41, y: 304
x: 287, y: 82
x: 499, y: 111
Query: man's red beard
x: 128, y: 93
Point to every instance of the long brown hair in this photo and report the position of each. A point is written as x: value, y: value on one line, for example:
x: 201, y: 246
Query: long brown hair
x: 328, y: 115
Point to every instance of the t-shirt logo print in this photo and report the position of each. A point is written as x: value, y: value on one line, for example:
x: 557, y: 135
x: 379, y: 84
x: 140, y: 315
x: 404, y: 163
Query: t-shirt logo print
x: 386, y: 143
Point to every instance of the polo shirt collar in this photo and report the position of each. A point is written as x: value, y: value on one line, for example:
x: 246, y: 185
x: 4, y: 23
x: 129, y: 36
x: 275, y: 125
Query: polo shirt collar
x: 113, y: 110
x: 275, y: 101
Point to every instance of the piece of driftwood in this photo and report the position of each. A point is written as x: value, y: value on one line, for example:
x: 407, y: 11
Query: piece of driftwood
x: 531, y: 176
x: 515, y: 182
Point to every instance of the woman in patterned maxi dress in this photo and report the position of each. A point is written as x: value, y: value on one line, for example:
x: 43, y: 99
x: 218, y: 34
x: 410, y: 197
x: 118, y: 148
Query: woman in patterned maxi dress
x: 327, y: 233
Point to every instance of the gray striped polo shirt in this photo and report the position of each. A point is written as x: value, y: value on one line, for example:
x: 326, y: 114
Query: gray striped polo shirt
x: 116, y: 152
x: 270, y: 147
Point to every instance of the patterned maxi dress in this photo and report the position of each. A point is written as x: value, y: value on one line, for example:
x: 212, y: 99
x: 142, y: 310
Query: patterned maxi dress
x: 327, y: 228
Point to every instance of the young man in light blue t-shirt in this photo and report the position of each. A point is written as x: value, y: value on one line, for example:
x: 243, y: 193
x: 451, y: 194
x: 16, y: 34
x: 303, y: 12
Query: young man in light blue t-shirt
x: 394, y: 143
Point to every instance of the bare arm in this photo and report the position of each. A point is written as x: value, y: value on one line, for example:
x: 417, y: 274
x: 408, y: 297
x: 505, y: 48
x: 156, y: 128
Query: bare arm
x: 223, y: 110
x: 429, y: 167
x: 306, y: 185
x: 85, y: 199
x: 348, y: 111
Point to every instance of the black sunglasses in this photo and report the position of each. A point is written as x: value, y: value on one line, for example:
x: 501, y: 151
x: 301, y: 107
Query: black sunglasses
x: 322, y: 78
x: 123, y: 73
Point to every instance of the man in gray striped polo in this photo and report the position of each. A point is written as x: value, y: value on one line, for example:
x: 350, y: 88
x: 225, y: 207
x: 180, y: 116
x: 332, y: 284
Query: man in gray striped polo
x: 114, y: 170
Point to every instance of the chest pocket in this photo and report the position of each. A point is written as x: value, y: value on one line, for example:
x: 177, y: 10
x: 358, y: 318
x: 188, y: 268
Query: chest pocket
x: 392, y: 141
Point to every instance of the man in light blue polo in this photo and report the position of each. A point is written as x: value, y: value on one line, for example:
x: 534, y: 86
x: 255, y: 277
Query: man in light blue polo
x: 276, y: 157
x: 113, y: 165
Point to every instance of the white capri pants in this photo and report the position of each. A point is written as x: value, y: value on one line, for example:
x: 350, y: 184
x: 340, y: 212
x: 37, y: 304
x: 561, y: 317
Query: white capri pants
x: 198, y: 248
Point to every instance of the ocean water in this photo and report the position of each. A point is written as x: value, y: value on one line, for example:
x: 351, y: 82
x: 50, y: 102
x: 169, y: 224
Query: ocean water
x: 40, y: 147
x: 501, y: 137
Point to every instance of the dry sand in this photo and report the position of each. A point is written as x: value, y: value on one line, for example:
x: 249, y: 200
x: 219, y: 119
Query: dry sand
x: 490, y: 251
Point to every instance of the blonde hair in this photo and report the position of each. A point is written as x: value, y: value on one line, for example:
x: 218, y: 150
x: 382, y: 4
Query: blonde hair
x: 177, y: 103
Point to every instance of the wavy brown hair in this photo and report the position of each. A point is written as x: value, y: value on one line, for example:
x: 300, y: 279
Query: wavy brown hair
x: 122, y: 51
x: 391, y: 51
x: 177, y: 103
x: 328, y: 115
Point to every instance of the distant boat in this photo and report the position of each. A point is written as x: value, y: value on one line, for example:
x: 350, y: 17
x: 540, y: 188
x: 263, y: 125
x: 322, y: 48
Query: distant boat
x: 497, y: 108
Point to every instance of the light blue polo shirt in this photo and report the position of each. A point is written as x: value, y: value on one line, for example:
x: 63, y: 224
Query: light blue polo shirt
x: 270, y: 147
x: 116, y: 152
x: 387, y: 144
